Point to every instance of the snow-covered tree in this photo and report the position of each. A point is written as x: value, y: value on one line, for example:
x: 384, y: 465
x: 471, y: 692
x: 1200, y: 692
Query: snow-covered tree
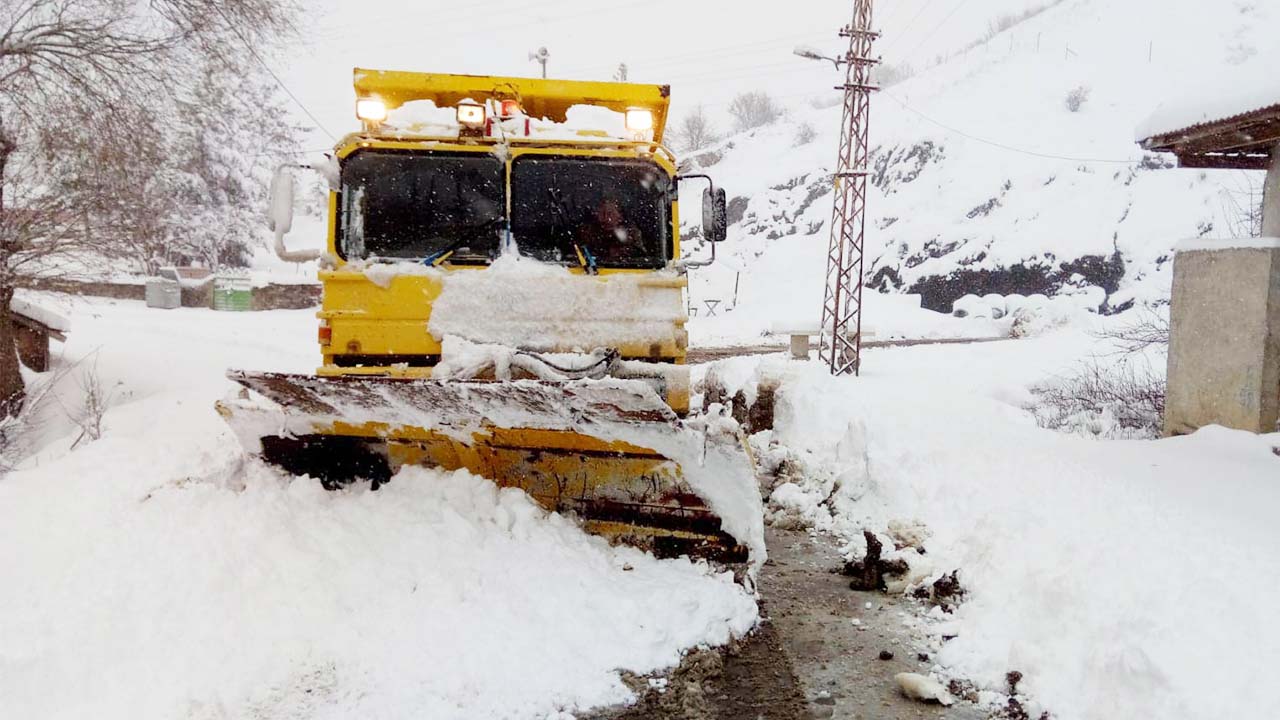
x: 82, y: 76
x: 695, y: 131
x: 233, y: 130
x: 754, y: 109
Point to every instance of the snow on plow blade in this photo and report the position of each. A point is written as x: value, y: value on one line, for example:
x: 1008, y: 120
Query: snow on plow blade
x: 587, y: 447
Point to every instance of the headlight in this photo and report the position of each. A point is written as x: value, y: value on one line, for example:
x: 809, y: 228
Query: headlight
x: 639, y: 119
x: 470, y: 114
x: 371, y: 110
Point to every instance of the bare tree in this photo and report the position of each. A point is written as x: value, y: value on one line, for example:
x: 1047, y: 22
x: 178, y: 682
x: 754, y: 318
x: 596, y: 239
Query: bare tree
x: 1148, y: 329
x: 1242, y: 206
x: 696, y: 131
x: 1118, y: 395
x: 109, y: 61
x: 94, y: 403
x: 754, y: 109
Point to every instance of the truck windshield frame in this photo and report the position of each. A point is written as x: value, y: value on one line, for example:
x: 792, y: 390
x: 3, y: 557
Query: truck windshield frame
x: 615, y: 210
x: 607, y: 212
x: 416, y: 206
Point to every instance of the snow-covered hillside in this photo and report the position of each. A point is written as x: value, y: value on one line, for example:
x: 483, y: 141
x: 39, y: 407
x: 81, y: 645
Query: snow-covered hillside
x: 983, y: 180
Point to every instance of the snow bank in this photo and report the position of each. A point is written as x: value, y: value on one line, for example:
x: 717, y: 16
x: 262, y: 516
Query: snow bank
x: 156, y: 573
x: 1123, y: 579
x: 158, y: 576
x: 524, y: 303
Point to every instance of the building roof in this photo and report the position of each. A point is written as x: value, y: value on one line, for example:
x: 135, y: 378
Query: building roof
x: 1230, y: 130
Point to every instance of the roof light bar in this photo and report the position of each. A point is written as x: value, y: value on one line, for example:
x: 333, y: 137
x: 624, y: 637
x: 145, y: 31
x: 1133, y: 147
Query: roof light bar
x: 639, y: 119
x: 471, y: 114
x: 371, y: 110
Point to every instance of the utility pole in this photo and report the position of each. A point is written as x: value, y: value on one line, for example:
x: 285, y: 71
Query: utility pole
x: 542, y: 55
x: 841, y: 347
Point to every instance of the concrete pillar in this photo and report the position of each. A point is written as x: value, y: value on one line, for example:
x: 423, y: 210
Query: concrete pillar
x: 799, y: 346
x: 1224, y: 344
x: 1271, y: 197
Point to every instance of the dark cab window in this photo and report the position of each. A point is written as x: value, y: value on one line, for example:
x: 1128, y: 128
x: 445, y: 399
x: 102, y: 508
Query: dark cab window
x: 615, y: 210
x: 418, y: 206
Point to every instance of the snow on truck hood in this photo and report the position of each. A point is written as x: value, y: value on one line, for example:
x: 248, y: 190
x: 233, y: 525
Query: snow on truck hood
x: 520, y: 302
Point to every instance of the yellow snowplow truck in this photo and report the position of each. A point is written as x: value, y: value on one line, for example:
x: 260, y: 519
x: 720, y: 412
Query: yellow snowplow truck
x: 504, y: 293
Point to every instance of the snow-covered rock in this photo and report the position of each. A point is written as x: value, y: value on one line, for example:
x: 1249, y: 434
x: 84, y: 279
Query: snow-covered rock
x: 925, y: 689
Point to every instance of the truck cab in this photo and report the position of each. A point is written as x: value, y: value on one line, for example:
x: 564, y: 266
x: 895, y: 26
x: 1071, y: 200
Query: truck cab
x: 451, y: 173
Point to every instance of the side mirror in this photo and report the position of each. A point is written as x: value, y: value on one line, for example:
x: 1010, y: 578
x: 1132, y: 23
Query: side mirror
x: 715, y: 218
x: 280, y: 208
x: 280, y: 214
x: 715, y: 214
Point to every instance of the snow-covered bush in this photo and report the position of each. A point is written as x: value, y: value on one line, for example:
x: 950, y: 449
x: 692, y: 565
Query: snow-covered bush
x: 1077, y: 98
x: 888, y: 74
x: 1121, y: 396
x: 1104, y: 399
x: 754, y: 109
x: 95, y: 400
x: 805, y: 134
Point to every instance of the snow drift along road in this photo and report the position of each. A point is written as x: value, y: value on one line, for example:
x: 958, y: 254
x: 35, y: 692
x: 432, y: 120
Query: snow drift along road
x: 156, y: 573
x: 1124, y: 579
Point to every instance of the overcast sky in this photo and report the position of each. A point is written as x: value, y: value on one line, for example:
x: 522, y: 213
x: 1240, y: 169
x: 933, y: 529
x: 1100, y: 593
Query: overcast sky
x: 708, y: 50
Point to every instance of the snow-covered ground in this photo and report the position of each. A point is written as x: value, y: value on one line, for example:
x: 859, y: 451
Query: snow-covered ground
x: 1122, y: 578
x: 157, y: 573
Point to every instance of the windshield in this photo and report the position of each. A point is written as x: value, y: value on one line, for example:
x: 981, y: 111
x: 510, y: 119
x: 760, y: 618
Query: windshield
x: 401, y: 205
x: 613, y: 209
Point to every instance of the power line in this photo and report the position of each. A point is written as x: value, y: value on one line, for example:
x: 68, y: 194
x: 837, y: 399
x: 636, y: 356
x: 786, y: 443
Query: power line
x: 909, y: 25
x: 520, y: 23
x: 1002, y: 146
x: 442, y: 25
x: 734, y: 73
x: 249, y: 46
x: 706, y: 53
x: 936, y: 28
x: 893, y: 13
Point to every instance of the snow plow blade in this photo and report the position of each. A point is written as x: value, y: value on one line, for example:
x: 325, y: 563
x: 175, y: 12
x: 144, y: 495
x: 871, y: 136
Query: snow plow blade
x: 583, y: 447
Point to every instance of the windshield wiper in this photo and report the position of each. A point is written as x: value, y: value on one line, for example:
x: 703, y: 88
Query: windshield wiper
x: 586, y: 259
x: 443, y: 253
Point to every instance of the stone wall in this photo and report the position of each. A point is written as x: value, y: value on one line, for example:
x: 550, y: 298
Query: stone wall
x: 286, y: 297
x: 267, y: 297
x: 119, y: 291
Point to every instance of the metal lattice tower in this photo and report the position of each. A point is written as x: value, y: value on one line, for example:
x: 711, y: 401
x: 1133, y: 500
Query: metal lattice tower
x: 841, y: 347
